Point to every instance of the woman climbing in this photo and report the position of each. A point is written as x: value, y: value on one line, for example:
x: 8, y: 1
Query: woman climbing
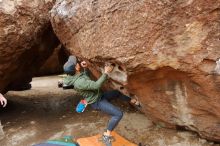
x: 91, y: 91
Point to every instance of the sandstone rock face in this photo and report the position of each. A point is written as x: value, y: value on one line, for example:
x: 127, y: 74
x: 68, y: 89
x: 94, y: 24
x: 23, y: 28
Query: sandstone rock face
x: 26, y: 40
x: 165, y: 53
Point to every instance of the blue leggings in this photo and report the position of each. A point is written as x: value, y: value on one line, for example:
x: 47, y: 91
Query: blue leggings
x: 105, y: 106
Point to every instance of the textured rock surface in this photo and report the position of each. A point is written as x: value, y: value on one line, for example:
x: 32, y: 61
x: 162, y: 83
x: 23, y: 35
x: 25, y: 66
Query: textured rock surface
x: 166, y: 52
x: 26, y: 40
x: 54, y: 64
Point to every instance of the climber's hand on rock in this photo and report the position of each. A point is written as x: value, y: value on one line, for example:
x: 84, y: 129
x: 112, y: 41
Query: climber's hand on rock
x: 84, y: 64
x: 108, y: 69
x: 3, y: 100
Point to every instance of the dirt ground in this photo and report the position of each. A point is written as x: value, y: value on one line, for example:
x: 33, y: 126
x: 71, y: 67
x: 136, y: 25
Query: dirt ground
x: 40, y: 114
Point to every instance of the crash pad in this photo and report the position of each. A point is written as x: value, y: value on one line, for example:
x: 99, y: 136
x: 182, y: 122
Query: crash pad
x: 94, y: 141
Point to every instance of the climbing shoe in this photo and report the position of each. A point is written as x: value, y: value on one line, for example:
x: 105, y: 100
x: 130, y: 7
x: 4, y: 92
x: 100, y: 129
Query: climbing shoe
x: 107, y: 140
x: 136, y: 104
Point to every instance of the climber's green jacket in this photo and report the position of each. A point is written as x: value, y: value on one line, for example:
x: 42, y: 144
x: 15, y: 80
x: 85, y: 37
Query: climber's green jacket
x: 89, y: 89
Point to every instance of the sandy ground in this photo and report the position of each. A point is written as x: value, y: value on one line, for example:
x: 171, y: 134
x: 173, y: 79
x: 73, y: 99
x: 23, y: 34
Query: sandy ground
x: 40, y: 114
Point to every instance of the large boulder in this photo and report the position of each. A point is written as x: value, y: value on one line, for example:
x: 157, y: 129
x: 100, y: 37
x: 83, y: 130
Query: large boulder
x: 26, y: 40
x: 165, y: 53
